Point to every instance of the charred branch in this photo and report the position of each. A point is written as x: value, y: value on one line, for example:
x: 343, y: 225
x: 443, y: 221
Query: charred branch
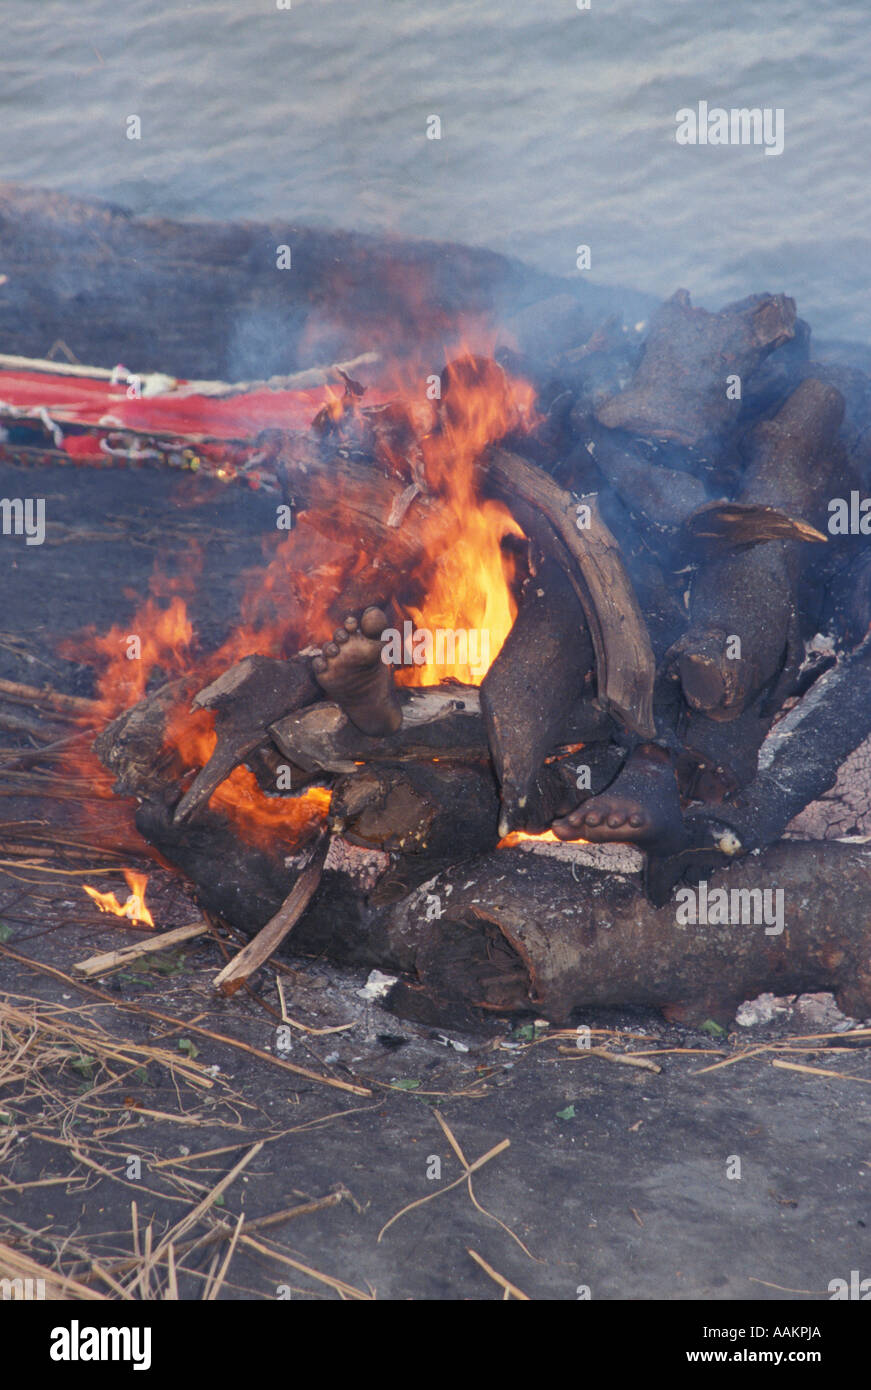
x: 590, y: 556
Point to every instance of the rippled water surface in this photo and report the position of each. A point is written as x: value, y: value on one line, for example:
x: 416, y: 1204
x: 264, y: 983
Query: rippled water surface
x: 558, y: 128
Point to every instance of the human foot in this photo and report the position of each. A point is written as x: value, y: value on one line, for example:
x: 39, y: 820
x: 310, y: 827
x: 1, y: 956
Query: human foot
x: 641, y: 807
x: 349, y: 669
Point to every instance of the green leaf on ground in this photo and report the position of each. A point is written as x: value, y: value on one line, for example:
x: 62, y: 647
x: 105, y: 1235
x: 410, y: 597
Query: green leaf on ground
x: 529, y: 1032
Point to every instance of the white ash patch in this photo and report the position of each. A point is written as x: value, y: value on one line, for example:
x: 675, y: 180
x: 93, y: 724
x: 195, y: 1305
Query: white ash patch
x: 377, y: 986
x: 608, y: 859
x: 364, y: 866
x: 812, y: 1010
x: 763, y: 1009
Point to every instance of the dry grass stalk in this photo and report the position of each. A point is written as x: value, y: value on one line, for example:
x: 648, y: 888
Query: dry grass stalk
x: 509, y: 1288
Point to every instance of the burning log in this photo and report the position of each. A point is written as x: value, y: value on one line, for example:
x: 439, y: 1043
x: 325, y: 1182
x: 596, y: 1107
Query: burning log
x: 244, y: 883
x: 442, y: 722
x: 413, y: 810
x: 438, y: 811
x: 524, y: 930
x: 252, y: 694
x: 133, y: 746
x: 679, y: 391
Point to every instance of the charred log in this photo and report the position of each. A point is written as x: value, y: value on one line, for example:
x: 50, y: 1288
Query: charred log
x: 735, y: 649
x: 248, y: 697
x: 441, y: 722
x: 132, y: 747
x: 530, y: 689
x: 679, y: 391
x: 575, y: 534
x: 525, y: 930
x: 800, y: 759
x: 440, y: 810
x: 664, y: 497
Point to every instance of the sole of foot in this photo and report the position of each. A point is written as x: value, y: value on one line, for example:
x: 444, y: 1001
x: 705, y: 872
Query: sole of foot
x: 349, y: 669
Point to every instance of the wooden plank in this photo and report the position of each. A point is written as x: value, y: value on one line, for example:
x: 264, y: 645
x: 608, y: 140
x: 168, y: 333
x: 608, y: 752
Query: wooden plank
x: 113, y: 960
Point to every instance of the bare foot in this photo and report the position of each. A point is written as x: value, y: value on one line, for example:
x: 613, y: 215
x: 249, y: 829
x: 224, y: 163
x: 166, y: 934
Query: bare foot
x: 641, y: 807
x: 350, y: 671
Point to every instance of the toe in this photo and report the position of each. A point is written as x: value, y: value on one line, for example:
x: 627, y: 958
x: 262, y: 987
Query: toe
x: 341, y: 635
x: 636, y: 820
x: 592, y: 819
x: 616, y: 819
x: 351, y: 623
x: 373, y: 622
x: 318, y: 664
x: 565, y: 829
x: 331, y: 649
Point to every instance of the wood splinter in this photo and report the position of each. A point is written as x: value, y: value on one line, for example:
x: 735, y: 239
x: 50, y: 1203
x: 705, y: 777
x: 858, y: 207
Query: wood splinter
x: 249, y: 960
x: 125, y: 955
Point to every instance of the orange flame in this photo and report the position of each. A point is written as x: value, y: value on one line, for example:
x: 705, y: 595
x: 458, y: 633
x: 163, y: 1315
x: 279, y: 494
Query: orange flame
x: 467, y: 579
x: 134, y: 907
x: 517, y: 837
x: 463, y: 585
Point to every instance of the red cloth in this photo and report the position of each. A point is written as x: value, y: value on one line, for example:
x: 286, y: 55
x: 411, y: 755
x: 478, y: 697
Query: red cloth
x: 76, y: 400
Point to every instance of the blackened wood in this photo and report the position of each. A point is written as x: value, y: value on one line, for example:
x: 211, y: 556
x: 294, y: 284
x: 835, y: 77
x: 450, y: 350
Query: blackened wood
x: 663, y: 496
x: 625, y: 665
x: 245, y: 884
x: 440, y: 811
x: 679, y: 391
x: 529, y: 691
x: 520, y: 929
x: 132, y: 746
x: 252, y: 694
x: 441, y: 722
x: 801, y: 757
x: 750, y: 593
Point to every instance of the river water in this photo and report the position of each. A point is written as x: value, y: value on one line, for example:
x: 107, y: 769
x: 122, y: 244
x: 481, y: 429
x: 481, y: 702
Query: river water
x: 557, y: 128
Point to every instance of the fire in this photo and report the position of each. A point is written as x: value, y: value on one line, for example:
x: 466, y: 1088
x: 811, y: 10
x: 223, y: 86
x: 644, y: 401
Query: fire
x: 461, y: 589
x: 517, y: 837
x: 134, y: 907
x: 467, y: 574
